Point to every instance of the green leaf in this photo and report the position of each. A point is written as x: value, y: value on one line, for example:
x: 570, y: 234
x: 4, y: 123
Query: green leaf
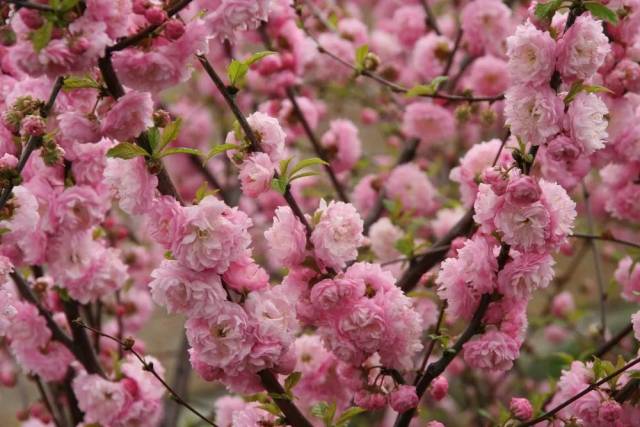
x: 284, y: 166
x: 601, y: 11
x: 291, y: 381
x: 279, y: 185
x: 348, y: 414
x: 258, y: 56
x: 306, y: 163
x: 405, y: 245
x: 324, y: 411
x: 154, y: 138
x: 170, y: 133
x: 66, y: 5
x: 579, y: 86
x: 201, y: 193
x: 40, y: 37
x: 428, y: 89
x: 237, y: 71
x: 280, y: 396
x: 219, y: 149
x: 77, y: 82
x: 180, y: 150
x: 545, y: 11
x: 361, y: 54
x: 302, y: 175
x: 126, y: 150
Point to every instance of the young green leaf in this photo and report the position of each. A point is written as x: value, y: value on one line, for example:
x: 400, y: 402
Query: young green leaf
x: 361, y: 54
x: 305, y: 164
x: 153, y: 134
x: 279, y: 184
x: 291, y: 381
x: 302, y: 175
x: 348, y: 414
x: 126, y: 150
x: 284, y: 166
x: 601, y: 11
x: 40, y: 37
x: 258, y: 56
x: 170, y: 133
x: 428, y: 89
x: 545, y: 11
x: 237, y: 71
x: 77, y: 82
x: 219, y: 149
x: 179, y: 150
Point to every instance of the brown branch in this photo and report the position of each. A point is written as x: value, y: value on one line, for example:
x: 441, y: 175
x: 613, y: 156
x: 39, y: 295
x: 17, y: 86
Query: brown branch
x: 55, y: 414
x: 31, y: 5
x: 430, y: 18
x: 291, y: 412
x: 253, y: 140
x: 81, y: 343
x: 432, y: 343
x: 605, y: 238
x: 590, y: 388
x: 180, y: 383
x: 34, y: 141
x: 606, y: 347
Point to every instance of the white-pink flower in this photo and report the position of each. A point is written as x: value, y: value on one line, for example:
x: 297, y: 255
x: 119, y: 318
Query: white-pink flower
x: 337, y: 235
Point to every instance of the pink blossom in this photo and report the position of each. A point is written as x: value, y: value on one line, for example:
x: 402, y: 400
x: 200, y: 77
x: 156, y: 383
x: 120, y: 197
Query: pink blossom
x: 256, y: 173
x: 383, y: 236
x: 485, y: 26
x: 115, y: 14
x: 488, y: 76
x: 439, y: 388
x: 408, y: 23
x: 231, y: 16
x: 582, y: 49
x: 342, y: 144
x: 562, y: 304
x: 270, y: 135
x: 79, y: 127
x: 101, y: 400
x: 492, y: 351
x: 337, y: 235
x: 181, y: 290
x: 411, y: 186
x: 131, y: 183
x: 365, y: 194
x: 533, y: 114
x: 167, y: 220
x: 628, y: 275
x: 286, y: 238
x: 369, y: 400
x: 521, y: 408
x: 430, y: 55
x: 428, y: 122
x: 531, y: 55
x: 221, y: 336
x: 244, y: 275
x: 522, y: 190
x: 129, y: 116
x: 587, y: 121
x: 78, y: 208
x: 332, y: 294
x: 635, y: 321
x: 404, y: 398
x: 215, y: 236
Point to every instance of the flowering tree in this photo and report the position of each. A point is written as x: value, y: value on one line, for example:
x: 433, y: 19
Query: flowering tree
x: 366, y: 212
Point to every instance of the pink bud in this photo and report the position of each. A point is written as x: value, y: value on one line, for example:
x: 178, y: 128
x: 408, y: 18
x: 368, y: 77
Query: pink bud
x: 523, y: 190
x: 79, y: 45
x: 369, y: 400
x: 140, y: 6
x: 403, y: 398
x: 369, y: 116
x: 155, y: 15
x: 521, y: 408
x: 31, y: 18
x: 32, y: 126
x: 439, y: 388
x: 174, y: 29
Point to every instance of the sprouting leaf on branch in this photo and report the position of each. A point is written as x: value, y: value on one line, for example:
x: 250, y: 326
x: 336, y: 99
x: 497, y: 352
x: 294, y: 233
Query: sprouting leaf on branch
x: 325, y: 412
x: 601, y: 11
x: 428, y: 89
x: 127, y: 150
x: 579, y: 86
x: 170, y: 133
x: 40, y: 38
x: 219, y: 149
x: 237, y: 70
x: 179, y: 150
x: 545, y: 11
x: 361, y: 55
x: 78, y: 82
x: 348, y: 414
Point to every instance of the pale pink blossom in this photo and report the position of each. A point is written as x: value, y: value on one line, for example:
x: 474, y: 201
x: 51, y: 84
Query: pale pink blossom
x: 129, y: 116
x: 535, y: 115
x: 430, y: 56
x: 531, y: 55
x: 428, y: 122
x: 215, y: 235
x: 286, y: 238
x: 582, y: 49
x: 181, y: 290
x: 488, y: 76
x: 412, y: 188
x: 342, y: 144
x: 255, y: 174
x: 485, y: 26
x: 587, y: 121
x: 337, y: 235
x: 492, y: 351
x: 131, y: 183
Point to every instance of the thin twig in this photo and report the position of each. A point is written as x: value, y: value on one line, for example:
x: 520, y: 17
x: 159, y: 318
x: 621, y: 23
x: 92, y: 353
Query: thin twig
x: 47, y: 402
x: 127, y: 345
x: 248, y: 131
x: 605, y: 238
x: 34, y: 141
x: 31, y: 5
x: 597, y: 263
x: 590, y: 388
x: 430, y: 18
x: 432, y: 343
x: 613, y: 341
